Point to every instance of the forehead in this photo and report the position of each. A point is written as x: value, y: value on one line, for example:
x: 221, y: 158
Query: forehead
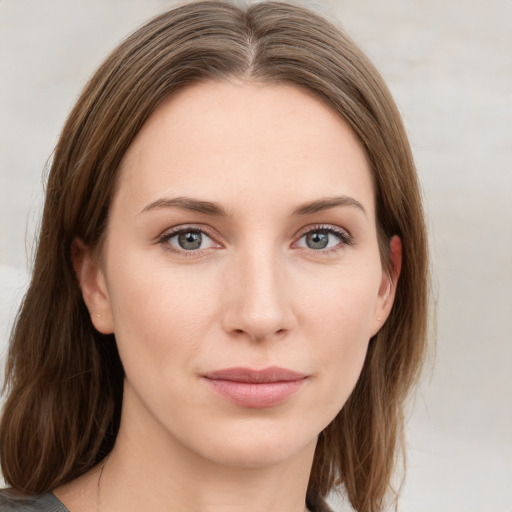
x: 229, y: 141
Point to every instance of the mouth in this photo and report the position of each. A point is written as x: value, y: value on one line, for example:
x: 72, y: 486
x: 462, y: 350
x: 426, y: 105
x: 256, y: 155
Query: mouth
x: 256, y: 389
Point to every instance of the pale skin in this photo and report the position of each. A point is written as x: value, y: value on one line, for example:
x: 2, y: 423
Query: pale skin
x: 280, y: 267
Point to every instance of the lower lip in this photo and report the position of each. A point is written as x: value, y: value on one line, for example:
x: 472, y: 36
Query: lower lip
x: 256, y: 395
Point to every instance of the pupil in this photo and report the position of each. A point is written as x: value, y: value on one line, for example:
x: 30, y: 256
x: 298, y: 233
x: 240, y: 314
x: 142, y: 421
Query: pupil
x: 317, y: 240
x: 190, y: 240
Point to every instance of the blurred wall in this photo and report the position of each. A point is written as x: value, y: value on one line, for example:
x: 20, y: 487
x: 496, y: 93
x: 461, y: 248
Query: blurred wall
x: 449, y: 66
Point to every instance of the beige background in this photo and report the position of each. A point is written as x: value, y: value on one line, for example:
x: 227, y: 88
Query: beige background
x: 449, y: 65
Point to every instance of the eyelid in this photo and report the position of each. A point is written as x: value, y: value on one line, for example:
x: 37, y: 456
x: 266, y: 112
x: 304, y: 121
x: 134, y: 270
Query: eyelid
x: 343, y: 234
x: 166, y: 235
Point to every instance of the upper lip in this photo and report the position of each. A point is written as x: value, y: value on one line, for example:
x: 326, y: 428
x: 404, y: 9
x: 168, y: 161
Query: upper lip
x: 249, y: 375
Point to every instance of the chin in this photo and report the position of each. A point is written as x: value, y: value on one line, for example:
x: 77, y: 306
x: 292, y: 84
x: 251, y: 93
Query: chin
x: 259, y: 455
x: 256, y: 444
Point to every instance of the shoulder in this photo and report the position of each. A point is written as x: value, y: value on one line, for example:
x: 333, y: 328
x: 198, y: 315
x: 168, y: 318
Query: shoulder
x: 11, y: 502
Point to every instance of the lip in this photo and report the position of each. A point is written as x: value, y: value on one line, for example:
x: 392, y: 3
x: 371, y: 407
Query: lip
x: 256, y: 389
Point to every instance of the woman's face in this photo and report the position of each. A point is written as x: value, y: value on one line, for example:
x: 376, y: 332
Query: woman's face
x: 240, y: 273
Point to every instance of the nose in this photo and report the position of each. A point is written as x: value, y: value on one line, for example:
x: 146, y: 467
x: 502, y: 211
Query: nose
x: 259, y: 305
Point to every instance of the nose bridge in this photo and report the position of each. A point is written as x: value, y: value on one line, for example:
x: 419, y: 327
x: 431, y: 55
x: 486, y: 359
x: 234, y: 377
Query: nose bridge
x: 259, y: 303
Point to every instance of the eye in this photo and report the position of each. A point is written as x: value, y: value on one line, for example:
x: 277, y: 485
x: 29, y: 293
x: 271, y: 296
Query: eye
x: 324, y: 238
x: 188, y: 240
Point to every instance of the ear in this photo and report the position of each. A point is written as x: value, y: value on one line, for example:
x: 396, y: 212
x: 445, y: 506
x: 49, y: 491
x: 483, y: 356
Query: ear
x: 92, y: 284
x: 389, y: 281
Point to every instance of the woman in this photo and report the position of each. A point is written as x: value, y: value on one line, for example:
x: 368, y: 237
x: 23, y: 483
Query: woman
x: 228, y: 303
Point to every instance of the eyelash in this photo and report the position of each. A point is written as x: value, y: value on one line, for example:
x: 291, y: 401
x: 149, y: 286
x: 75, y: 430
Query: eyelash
x: 164, y: 240
x: 345, y: 239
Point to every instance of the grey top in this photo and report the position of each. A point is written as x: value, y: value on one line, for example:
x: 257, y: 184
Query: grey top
x: 45, y: 503
x: 50, y: 503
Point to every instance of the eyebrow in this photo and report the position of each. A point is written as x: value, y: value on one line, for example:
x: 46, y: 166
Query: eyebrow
x: 215, y: 209
x: 188, y: 203
x: 328, y: 203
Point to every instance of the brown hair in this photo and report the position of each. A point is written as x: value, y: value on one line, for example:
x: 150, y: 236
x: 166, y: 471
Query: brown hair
x: 65, y: 379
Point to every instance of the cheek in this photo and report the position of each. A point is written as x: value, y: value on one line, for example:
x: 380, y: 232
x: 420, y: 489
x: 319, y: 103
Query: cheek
x: 160, y: 313
x: 341, y: 301
x: 340, y: 316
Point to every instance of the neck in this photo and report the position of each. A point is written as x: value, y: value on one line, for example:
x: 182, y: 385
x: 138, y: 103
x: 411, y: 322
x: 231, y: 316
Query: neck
x: 138, y: 478
x: 138, y: 482
x: 149, y: 469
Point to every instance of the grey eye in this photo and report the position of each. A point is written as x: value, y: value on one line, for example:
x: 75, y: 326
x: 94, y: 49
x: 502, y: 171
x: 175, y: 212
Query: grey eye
x: 323, y: 238
x: 190, y: 240
x: 317, y: 239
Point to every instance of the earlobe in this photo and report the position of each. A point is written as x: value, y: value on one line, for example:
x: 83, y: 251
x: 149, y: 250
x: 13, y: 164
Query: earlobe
x: 388, y: 285
x: 92, y: 285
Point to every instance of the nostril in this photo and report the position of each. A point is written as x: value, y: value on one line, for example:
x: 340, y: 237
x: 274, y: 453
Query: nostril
x: 243, y: 332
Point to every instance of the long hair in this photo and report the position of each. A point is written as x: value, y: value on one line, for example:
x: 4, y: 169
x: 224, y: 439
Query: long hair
x: 64, y: 379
